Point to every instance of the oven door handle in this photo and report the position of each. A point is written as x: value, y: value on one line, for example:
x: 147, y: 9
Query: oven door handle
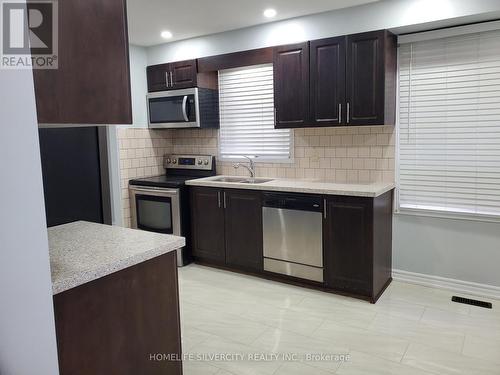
x: 184, y: 108
x: 155, y: 190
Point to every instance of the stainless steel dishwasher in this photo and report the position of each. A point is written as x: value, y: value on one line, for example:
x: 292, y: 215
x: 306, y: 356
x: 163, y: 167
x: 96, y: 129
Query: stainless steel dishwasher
x: 293, y: 235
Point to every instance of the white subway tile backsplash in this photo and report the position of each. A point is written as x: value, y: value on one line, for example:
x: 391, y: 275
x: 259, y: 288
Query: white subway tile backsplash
x: 344, y: 154
x: 376, y: 152
x: 364, y: 152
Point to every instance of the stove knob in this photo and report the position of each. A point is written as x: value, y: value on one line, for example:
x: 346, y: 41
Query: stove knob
x: 169, y: 161
x: 174, y: 161
x: 205, y: 162
x: 200, y: 162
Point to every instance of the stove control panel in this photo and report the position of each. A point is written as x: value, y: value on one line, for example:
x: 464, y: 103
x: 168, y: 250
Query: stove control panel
x: 198, y: 162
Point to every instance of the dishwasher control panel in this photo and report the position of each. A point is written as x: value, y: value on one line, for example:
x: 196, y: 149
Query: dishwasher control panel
x: 293, y: 202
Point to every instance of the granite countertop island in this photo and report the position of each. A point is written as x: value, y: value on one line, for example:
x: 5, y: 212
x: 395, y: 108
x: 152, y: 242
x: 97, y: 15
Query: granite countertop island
x: 116, y: 299
x: 82, y: 251
x: 372, y: 190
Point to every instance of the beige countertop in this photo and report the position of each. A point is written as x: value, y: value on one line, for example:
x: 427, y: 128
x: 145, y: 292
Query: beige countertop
x: 301, y: 186
x: 81, y: 251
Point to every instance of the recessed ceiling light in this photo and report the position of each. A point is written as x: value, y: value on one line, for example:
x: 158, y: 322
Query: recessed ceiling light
x: 166, y: 34
x: 270, y: 13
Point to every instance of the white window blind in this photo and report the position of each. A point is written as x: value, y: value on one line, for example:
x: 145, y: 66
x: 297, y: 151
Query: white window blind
x: 449, y: 131
x: 246, y: 107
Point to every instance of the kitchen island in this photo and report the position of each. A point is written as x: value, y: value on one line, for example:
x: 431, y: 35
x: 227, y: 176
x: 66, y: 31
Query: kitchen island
x: 116, y: 300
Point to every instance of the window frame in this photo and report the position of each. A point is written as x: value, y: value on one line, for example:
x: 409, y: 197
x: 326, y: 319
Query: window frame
x: 423, y: 212
x: 258, y: 158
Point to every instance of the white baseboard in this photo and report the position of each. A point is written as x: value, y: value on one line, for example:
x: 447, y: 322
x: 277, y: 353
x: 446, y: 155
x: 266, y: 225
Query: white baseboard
x: 465, y: 287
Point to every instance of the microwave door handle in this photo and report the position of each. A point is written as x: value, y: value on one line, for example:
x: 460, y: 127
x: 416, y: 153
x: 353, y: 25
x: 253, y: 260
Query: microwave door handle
x: 184, y: 108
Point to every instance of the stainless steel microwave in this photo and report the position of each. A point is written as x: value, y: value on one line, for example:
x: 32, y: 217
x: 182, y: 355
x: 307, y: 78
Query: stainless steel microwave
x: 185, y: 108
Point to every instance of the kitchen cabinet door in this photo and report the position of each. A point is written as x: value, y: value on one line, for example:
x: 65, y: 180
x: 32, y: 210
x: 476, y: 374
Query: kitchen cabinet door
x: 291, y: 85
x: 92, y: 82
x: 158, y: 77
x: 184, y: 74
x: 171, y: 76
x: 348, y: 245
x: 327, y: 81
x: 371, y: 78
x: 243, y: 228
x: 207, y: 220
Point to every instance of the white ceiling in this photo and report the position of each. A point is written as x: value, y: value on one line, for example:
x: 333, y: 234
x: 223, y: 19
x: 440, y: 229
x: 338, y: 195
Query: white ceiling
x: 191, y: 18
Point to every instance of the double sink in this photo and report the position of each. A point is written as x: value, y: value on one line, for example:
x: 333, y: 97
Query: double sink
x: 242, y: 180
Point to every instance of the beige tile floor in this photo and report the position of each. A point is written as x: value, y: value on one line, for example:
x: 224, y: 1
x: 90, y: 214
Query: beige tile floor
x: 411, y: 330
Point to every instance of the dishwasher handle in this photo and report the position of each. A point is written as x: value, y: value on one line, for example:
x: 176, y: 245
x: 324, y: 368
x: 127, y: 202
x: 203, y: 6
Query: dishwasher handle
x: 293, y: 202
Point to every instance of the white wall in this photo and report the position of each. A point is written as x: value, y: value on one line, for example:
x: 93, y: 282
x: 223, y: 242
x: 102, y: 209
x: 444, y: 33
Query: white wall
x: 114, y: 175
x: 27, y: 333
x: 464, y: 250
x: 138, y: 85
x: 457, y: 249
x: 409, y: 15
x: 139, y: 89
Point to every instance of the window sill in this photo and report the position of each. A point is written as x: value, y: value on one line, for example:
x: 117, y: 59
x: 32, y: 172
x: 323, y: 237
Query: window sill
x: 447, y: 215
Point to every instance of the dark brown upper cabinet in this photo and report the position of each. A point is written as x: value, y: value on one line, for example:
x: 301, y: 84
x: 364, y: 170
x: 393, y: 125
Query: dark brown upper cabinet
x: 371, y: 78
x: 170, y: 76
x: 92, y: 82
x: 347, y: 80
x: 184, y: 74
x: 327, y: 81
x: 158, y: 77
x: 291, y: 85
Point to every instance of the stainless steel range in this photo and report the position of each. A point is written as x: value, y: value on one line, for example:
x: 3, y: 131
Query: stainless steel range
x: 161, y: 203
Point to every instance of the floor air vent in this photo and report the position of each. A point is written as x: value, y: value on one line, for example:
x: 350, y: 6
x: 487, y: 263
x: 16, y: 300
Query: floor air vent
x: 473, y: 302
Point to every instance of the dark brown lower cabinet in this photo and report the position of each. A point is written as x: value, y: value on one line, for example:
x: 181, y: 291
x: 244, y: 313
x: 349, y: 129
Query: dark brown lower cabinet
x: 227, y: 227
x: 357, y: 244
x: 243, y: 228
x: 207, y: 218
x: 357, y: 239
x: 347, y: 249
x: 116, y: 324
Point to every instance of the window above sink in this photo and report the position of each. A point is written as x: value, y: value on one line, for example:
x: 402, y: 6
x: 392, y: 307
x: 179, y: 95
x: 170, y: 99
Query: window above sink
x: 247, y: 116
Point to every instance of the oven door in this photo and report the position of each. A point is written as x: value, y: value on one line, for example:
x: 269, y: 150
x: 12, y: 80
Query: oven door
x: 155, y: 209
x: 173, y: 109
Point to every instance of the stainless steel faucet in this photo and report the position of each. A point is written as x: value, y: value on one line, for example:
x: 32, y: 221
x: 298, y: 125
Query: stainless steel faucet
x: 250, y: 167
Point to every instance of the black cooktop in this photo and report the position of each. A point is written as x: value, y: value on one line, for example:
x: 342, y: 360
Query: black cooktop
x: 179, y: 169
x: 163, y: 181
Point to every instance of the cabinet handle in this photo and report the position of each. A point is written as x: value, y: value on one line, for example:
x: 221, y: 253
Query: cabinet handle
x: 348, y: 112
x: 166, y: 79
x: 171, y: 79
x: 324, y: 208
x: 218, y: 198
x: 340, y: 113
x: 224, y: 199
